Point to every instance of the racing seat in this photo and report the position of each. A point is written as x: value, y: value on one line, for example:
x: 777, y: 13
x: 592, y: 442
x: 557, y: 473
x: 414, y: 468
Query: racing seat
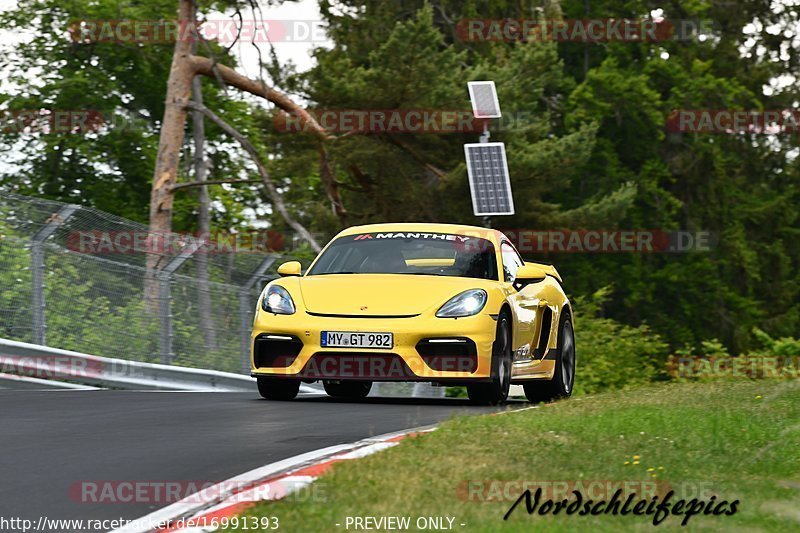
x: 469, y: 265
x: 389, y: 260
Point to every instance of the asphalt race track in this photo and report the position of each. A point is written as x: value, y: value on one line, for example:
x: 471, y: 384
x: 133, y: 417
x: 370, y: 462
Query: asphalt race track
x: 52, y: 441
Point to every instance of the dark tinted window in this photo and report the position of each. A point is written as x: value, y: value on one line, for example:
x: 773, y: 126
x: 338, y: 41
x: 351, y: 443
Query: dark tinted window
x: 435, y: 254
x: 511, y: 261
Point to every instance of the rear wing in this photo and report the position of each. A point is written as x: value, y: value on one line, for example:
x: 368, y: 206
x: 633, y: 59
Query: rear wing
x: 549, y: 269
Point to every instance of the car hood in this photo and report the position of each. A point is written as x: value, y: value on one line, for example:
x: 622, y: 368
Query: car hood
x: 380, y: 294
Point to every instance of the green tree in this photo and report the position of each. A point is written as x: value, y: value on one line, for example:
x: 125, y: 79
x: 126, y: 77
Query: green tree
x: 125, y: 83
x: 742, y: 188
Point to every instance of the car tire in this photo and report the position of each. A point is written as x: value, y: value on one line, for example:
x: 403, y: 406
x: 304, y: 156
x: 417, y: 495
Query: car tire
x: 496, y: 391
x: 278, y: 388
x: 564, y: 376
x: 348, y: 390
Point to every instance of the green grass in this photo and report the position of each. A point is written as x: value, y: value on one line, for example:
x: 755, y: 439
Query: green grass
x: 736, y: 439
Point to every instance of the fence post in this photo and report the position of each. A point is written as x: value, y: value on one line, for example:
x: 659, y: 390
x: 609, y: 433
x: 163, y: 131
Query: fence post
x: 165, y: 298
x: 37, y: 269
x: 245, y: 324
x: 246, y: 311
x: 165, y: 317
x: 37, y: 277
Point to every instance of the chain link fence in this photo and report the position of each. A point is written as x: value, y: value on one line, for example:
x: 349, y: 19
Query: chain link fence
x: 72, y: 277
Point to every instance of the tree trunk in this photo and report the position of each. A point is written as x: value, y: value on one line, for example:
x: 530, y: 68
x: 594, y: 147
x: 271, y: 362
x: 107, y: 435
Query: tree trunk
x: 179, y: 86
x: 204, y: 302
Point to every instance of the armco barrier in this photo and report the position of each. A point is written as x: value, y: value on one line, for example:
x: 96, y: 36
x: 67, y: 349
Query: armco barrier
x: 13, y: 381
x: 43, y: 364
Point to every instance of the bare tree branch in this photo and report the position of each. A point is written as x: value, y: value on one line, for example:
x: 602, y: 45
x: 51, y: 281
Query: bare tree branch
x: 275, y: 196
x: 256, y: 9
x: 439, y: 173
x: 188, y: 184
x: 214, y: 64
x: 365, y: 181
x: 330, y: 183
x: 203, y: 65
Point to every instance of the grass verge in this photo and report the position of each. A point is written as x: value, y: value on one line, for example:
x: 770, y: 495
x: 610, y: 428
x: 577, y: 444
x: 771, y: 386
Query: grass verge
x: 732, y: 439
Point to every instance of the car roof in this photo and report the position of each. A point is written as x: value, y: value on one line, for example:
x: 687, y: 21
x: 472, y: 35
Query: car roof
x: 424, y: 227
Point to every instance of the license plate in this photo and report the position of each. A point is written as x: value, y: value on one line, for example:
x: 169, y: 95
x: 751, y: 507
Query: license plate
x: 356, y: 339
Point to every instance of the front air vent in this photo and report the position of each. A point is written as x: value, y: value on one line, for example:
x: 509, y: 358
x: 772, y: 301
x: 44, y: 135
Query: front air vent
x: 273, y: 350
x: 449, y: 354
x: 544, y: 336
x: 330, y: 315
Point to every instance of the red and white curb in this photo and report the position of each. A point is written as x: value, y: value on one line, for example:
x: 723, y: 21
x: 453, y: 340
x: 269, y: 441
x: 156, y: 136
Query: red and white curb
x: 270, y: 482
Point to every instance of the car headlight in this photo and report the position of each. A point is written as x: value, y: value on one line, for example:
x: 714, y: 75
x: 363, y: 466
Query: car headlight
x: 277, y: 300
x: 467, y: 303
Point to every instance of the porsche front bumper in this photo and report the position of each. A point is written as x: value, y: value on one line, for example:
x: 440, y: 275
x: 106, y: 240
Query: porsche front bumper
x: 425, y: 348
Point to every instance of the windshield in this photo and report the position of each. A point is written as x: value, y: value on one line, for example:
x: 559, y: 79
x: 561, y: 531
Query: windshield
x: 434, y: 254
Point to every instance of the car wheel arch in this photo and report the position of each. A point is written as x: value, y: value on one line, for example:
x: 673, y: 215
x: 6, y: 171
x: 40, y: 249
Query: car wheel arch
x: 566, y: 312
x: 505, y: 309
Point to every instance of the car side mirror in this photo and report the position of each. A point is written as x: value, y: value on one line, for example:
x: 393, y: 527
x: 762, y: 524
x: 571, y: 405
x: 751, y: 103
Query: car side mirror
x: 530, y: 273
x: 290, y: 268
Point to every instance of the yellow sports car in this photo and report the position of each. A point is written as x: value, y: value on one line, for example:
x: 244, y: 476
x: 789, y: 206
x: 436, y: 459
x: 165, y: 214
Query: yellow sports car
x: 440, y: 303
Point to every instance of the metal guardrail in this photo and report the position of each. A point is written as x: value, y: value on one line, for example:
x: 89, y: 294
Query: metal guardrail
x: 13, y: 381
x: 39, y: 365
